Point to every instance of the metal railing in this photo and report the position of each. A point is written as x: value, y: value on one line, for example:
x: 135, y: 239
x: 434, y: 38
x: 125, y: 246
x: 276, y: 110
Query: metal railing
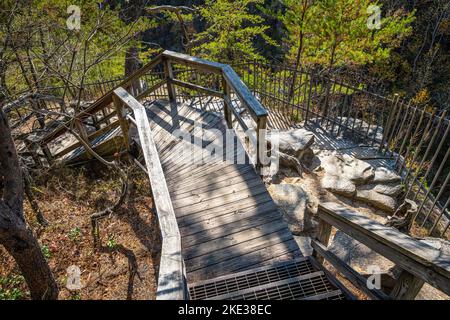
x: 416, y: 139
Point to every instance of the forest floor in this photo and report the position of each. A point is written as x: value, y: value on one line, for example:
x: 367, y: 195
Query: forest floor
x: 125, y: 263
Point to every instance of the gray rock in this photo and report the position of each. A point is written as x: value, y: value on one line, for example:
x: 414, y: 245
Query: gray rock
x: 391, y: 189
x: 295, y: 142
x: 348, y: 168
x: 339, y: 186
x: 357, y: 179
x: 293, y: 203
x: 384, y: 175
x: 378, y: 200
x: 357, y: 255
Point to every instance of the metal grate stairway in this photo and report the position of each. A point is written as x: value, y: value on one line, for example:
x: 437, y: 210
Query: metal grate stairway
x: 290, y: 280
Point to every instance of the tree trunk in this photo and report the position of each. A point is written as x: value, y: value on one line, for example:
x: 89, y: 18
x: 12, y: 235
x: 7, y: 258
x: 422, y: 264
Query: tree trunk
x: 24, y: 248
x: 132, y: 64
x: 14, y: 233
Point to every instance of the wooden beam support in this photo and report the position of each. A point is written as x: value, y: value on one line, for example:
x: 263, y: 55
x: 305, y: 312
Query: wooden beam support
x: 407, y: 286
x: 168, y: 72
x: 261, y: 143
x: 323, y: 237
x: 172, y: 275
x: 416, y: 257
x: 353, y: 276
x: 196, y: 87
x: 83, y: 133
x: 227, y: 106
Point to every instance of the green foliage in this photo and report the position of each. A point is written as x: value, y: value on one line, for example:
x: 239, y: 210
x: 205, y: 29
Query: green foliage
x: 94, y: 52
x: 336, y: 32
x: 111, y: 243
x: 231, y: 31
x: 46, y: 252
x: 9, y: 287
x: 75, y: 234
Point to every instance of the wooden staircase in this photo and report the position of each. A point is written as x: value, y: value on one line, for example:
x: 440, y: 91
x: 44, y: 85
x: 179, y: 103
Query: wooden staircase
x: 216, y: 216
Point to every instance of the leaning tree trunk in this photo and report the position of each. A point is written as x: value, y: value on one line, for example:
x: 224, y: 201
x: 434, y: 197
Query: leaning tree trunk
x: 132, y: 64
x: 15, y: 236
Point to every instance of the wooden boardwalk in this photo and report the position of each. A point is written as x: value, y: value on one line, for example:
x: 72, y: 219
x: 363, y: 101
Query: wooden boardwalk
x: 228, y: 222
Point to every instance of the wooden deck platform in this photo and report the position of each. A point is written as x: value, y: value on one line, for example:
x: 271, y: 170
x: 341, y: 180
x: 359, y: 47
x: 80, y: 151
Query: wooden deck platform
x: 228, y: 222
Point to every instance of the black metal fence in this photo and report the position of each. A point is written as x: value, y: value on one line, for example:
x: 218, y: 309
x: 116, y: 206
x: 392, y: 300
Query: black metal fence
x: 416, y: 139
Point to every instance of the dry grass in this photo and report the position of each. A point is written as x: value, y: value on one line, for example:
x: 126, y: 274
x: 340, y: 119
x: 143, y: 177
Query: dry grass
x: 125, y: 266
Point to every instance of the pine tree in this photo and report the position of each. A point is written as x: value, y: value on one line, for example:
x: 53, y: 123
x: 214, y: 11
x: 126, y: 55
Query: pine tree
x: 231, y: 31
x: 336, y: 32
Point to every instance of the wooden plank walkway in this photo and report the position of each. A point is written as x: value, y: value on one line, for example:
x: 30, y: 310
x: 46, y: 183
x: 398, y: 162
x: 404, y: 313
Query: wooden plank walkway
x: 228, y: 222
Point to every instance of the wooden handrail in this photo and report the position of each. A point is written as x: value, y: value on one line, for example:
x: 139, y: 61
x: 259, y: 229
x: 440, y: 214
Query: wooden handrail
x: 419, y: 261
x: 103, y: 101
x: 255, y: 108
x: 231, y: 82
x: 172, y: 277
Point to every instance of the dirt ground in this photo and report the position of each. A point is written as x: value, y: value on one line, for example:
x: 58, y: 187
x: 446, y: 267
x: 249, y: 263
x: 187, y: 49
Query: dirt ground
x: 123, y: 266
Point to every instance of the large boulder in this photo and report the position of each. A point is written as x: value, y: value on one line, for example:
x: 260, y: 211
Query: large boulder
x: 356, y: 179
x: 384, y: 175
x: 296, y: 143
x: 293, y: 202
x: 345, y: 167
x: 378, y: 200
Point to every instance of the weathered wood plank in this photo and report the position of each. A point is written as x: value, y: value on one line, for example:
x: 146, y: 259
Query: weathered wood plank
x: 171, y: 282
x: 225, y: 230
x: 234, y: 239
x: 222, y: 178
x: 210, y: 195
x: 285, y: 250
x: 198, y: 63
x: 254, y: 244
x: 234, y: 208
x: 221, y: 201
x: 232, y: 217
x: 354, y: 277
x: 414, y: 256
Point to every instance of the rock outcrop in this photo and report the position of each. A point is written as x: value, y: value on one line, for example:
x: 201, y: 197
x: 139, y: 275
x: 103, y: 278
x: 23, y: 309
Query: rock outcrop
x: 356, y: 179
x: 293, y: 202
x: 293, y: 148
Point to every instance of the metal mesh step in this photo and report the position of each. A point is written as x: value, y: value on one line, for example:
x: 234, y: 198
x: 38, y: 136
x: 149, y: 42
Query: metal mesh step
x: 296, y: 279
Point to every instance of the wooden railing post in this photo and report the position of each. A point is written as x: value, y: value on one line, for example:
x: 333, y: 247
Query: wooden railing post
x: 168, y: 71
x: 323, y: 237
x: 261, y: 143
x: 47, y: 153
x: 407, y: 286
x: 83, y: 134
x: 120, y: 110
x: 226, y: 101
